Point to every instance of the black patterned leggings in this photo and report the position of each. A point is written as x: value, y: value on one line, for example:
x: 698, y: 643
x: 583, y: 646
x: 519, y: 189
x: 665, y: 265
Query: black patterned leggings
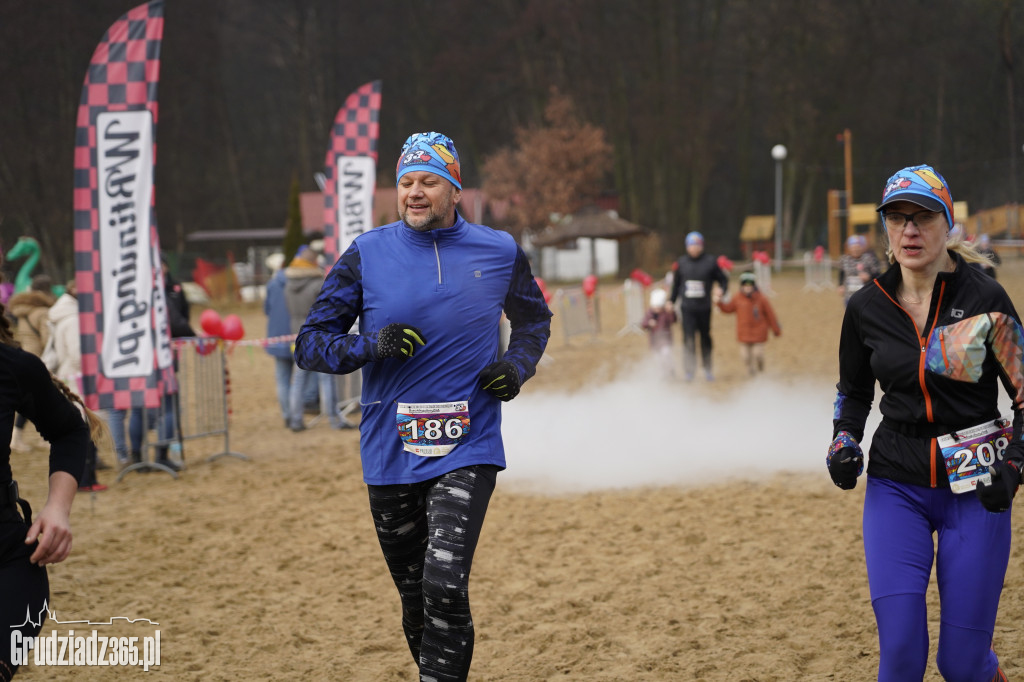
x: 428, y: 532
x: 696, y: 322
x: 24, y: 588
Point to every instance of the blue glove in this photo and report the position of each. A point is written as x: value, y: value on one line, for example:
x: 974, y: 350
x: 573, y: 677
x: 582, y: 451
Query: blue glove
x: 397, y: 341
x: 845, y: 461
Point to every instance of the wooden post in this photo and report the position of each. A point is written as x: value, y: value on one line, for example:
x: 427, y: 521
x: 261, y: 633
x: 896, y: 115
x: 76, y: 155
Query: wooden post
x: 835, y: 242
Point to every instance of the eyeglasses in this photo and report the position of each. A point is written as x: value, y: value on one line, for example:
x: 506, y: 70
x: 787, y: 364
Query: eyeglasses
x: 922, y: 219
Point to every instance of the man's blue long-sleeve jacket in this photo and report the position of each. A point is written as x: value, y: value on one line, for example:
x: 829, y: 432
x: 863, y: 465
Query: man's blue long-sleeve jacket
x: 451, y: 283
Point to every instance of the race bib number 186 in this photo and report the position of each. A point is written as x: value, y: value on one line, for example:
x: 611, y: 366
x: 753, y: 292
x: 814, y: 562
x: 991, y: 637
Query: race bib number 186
x: 432, y: 429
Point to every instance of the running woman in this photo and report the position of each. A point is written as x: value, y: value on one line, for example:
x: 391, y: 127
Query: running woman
x: 429, y: 291
x: 939, y: 337
x: 27, y: 546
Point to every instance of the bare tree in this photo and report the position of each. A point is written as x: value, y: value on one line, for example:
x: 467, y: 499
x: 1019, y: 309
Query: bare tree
x: 553, y: 168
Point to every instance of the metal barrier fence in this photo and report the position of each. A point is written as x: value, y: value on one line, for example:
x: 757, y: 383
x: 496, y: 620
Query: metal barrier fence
x: 350, y: 387
x: 347, y: 390
x: 763, y: 275
x: 817, y: 273
x: 199, y: 409
x: 578, y: 312
x: 636, y: 306
x: 204, y: 389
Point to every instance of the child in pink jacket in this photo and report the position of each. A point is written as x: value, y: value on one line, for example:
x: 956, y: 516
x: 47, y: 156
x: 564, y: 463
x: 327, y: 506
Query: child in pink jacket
x: 658, y: 321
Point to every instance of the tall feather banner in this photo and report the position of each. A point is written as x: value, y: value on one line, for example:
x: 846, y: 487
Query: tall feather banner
x: 351, y: 170
x: 126, y: 351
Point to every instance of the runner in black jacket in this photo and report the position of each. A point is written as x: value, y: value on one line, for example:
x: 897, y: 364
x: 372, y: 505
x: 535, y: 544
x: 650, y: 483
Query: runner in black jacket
x: 694, y: 275
x: 27, y: 545
x: 939, y: 337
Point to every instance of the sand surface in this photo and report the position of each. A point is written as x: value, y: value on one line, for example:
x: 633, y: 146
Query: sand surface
x: 646, y: 529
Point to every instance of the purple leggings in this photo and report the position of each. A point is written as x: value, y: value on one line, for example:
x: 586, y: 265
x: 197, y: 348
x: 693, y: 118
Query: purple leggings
x: 973, y: 551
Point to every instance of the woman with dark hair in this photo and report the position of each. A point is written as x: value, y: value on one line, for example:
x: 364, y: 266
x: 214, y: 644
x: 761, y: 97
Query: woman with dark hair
x: 27, y: 545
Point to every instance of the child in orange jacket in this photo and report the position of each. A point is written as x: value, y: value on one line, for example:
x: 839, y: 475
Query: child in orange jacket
x: 754, y: 317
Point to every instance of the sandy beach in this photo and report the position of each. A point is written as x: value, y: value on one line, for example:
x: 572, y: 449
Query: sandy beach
x: 646, y: 529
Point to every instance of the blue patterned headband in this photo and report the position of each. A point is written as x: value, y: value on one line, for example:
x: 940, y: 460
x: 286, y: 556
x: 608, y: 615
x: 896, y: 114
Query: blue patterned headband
x: 430, y: 152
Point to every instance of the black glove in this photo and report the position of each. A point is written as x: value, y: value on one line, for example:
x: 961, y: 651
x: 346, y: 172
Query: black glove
x: 845, y: 461
x: 998, y: 495
x: 501, y: 379
x: 398, y: 341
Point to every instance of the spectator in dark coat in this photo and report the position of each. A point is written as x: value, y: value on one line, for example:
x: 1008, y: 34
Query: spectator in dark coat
x: 695, y: 275
x: 303, y: 279
x: 279, y: 324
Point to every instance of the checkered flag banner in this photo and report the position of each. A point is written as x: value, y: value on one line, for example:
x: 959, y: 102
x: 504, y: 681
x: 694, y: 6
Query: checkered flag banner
x: 351, y: 170
x: 126, y: 350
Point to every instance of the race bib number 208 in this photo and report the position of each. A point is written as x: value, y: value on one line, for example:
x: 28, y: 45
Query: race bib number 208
x: 969, y: 453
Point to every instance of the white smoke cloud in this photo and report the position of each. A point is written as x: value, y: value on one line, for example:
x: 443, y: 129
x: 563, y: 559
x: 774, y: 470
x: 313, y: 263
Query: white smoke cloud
x: 644, y: 431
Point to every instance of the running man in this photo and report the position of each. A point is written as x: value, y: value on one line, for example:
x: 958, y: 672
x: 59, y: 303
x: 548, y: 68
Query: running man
x: 695, y: 273
x: 429, y: 291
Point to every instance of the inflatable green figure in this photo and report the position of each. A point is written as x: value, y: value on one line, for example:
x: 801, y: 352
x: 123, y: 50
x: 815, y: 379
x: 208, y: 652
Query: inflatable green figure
x: 27, y: 248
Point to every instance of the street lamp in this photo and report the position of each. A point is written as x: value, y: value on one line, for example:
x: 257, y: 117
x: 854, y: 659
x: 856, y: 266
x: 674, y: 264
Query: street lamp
x: 779, y: 154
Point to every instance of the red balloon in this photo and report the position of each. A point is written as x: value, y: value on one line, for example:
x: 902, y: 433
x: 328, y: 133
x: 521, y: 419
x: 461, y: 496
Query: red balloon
x: 589, y: 285
x: 641, y: 277
x: 543, y: 289
x: 211, y: 323
x: 233, y: 330
x: 725, y: 263
x: 819, y: 253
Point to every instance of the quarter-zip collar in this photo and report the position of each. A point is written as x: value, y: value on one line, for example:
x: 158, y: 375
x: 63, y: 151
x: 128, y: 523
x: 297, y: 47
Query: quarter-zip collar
x: 441, y: 235
x: 437, y: 240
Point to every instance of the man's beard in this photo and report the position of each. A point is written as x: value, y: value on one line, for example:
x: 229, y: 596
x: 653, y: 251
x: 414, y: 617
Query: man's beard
x: 434, y: 219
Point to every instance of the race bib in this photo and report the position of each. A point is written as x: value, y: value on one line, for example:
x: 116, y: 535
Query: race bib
x: 694, y: 288
x: 853, y: 284
x: 432, y: 429
x: 970, y: 452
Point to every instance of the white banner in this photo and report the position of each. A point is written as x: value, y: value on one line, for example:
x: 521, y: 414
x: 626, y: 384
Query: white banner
x: 124, y: 151
x: 356, y: 178
x: 161, y: 318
